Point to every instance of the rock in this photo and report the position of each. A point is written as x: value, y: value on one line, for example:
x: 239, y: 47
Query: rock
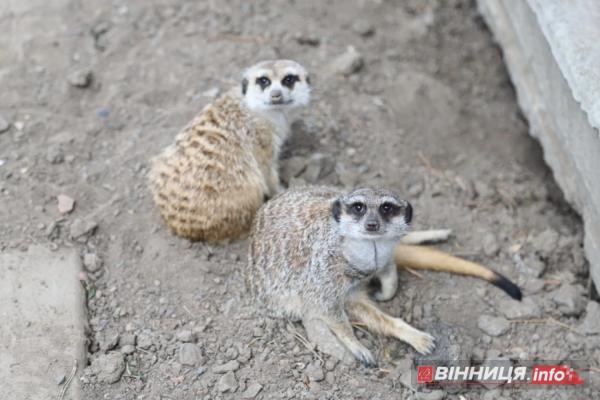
x: 493, y: 326
x: 91, y: 262
x: 190, y: 354
x: 82, y: 228
x: 107, y: 339
x: 319, y: 334
x: 227, y: 383
x: 128, y: 349
x: 185, y: 336
x: 144, y: 341
x: 546, y: 242
x: 490, y: 244
x: 65, y: 203
x: 591, y: 321
x: 80, y: 78
x: 127, y: 339
x: 348, y: 63
x: 252, y: 390
x: 315, y: 373
x: 513, y: 309
x: 363, y: 28
x: 4, y: 124
x: 330, y: 364
x: 109, y: 367
x: 55, y: 155
x: 61, y: 379
x: 570, y: 299
x: 532, y: 265
x: 232, y: 365
x: 433, y: 395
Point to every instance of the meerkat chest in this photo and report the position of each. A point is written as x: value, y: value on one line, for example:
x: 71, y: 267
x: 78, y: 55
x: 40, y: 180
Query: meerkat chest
x: 279, y: 121
x: 367, y: 255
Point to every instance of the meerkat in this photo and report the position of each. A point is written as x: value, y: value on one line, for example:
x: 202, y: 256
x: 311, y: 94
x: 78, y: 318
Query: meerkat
x: 209, y: 184
x: 314, y: 251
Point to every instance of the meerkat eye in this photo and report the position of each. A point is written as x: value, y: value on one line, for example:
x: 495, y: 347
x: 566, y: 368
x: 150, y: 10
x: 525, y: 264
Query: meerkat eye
x: 263, y: 82
x: 388, y: 208
x: 358, y: 208
x: 289, y: 80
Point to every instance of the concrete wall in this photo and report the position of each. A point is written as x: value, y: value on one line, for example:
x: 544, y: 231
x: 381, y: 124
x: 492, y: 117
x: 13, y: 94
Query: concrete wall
x: 552, y: 50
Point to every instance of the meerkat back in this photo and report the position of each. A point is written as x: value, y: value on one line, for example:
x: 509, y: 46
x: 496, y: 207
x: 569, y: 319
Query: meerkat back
x: 209, y: 184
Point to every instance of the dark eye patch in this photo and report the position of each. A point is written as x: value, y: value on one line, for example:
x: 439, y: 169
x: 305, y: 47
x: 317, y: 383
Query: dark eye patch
x: 289, y: 80
x: 388, y: 210
x: 263, y: 82
x: 358, y: 208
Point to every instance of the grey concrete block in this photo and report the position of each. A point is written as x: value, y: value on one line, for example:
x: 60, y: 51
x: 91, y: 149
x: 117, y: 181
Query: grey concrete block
x: 43, y: 321
x: 550, y: 48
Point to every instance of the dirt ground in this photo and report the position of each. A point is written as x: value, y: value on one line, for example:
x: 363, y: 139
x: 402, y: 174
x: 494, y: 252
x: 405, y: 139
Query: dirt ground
x: 92, y: 90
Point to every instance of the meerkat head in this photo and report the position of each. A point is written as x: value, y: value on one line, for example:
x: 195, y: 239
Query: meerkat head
x: 372, y: 214
x: 277, y: 84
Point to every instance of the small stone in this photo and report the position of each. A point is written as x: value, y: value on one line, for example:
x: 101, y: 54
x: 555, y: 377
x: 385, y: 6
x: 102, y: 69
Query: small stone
x: 591, y: 321
x: 185, y: 336
x: 490, y: 244
x: 363, y: 28
x: 513, y: 309
x: 55, y: 155
x: 330, y: 364
x: 252, y: 390
x: 109, y: 367
x: 546, y: 242
x: 65, y: 203
x: 91, y: 262
x: 493, y: 326
x: 227, y: 383
x: 348, y: 63
x: 128, y: 349
x: 190, y: 354
x: 144, y: 341
x: 433, y: 395
x: 80, y: 78
x: 232, y: 365
x: 127, y: 339
x: 258, y: 332
x: 81, y: 228
x: 107, y: 339
x: 315, y: 373
x: 61, y: 379
x: 570, y: 299
x: 4, y: 124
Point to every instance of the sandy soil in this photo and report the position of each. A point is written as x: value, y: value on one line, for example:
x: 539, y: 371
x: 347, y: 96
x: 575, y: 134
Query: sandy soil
x: 431, y: 114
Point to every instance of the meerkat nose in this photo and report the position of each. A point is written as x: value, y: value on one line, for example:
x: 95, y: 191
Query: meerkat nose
x: 372, y: 226
x: 276, y: 94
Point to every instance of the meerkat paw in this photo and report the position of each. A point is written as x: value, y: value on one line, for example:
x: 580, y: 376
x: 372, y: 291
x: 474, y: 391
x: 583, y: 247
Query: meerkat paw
x: 423, y: 342
x: 364, y: 356
x: 386, y: 292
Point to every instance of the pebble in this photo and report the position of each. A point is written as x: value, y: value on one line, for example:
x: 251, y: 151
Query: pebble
x: 348, y: 63
x: 227, y: 383
x: 109, y: 367
x: 91, y: 262
x: 55, y: 155
x: 80, y: 78
x: 128, y: 349
x: 315, y: 373
x: 61, y: 379
x: 433, y: 395
x: 493, y: 326
x: 232, y: 365
x: 546, y: 241
x: 513, y: 309
x: 144, y: 341
x: 591, y: 321
x: 190, y: 354
x: 330, y: 364
x: 4, y: 124
x: 185, y: 336
x: 107, y: 339
x: 252, y: 390
x: 490, y: 244
x: 81, y: 228
x: 570, y: 299
x: 65, y: 203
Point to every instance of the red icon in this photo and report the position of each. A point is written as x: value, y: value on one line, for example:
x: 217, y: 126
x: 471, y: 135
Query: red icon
x: 424, y: 373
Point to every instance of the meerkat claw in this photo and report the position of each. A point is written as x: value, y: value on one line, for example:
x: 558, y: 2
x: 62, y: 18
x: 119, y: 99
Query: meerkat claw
x: 424, y: 343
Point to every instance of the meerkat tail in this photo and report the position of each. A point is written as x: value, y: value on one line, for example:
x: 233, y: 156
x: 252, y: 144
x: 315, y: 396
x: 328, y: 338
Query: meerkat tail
x: 422, y: 257
x: 429, y: 236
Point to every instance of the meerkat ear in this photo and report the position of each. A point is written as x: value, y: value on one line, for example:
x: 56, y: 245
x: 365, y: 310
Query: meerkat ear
x: 336, y: 210
x: 244, y: 85
x: 408, y: 213
x: 308, y: 79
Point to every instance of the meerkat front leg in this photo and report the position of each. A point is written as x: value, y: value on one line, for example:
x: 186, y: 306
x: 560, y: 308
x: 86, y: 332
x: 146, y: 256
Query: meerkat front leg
x: 363, y: 309
x: 388, y: 277
x: 341, y: 327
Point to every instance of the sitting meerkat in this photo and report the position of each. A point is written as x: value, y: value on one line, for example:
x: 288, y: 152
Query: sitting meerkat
x: 313, y: 252
x: 209, y: 184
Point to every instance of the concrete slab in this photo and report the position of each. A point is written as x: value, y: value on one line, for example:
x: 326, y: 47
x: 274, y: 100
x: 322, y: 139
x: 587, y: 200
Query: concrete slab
x: 552, y: 57
x: 43, y: 317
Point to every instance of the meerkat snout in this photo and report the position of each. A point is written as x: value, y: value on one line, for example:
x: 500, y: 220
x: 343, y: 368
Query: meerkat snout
x: 275, y: 85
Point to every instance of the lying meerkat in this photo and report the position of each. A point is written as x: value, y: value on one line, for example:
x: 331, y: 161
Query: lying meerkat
x: 313, y: 252
x: 209, y: 184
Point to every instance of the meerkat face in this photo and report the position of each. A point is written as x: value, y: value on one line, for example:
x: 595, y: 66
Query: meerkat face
x: 273, y: 85
x: 372, y: 214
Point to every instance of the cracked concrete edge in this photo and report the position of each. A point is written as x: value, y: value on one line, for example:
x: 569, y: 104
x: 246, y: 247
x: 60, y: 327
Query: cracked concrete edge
x: 556, y: 119
x: 42, y: 303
